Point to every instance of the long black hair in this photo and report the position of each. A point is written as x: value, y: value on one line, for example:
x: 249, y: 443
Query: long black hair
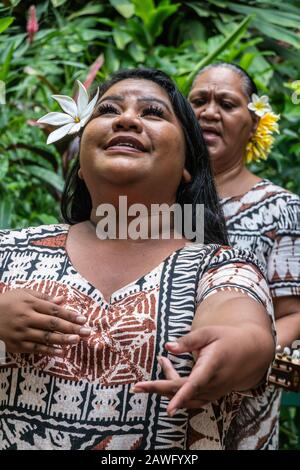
x: 76, y: 204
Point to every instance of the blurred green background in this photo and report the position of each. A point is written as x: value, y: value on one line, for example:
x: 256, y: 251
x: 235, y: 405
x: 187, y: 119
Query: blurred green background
x: 82, y: 40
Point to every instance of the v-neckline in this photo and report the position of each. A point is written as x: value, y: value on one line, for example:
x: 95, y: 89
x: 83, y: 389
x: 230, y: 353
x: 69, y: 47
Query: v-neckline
x: 114, y: 295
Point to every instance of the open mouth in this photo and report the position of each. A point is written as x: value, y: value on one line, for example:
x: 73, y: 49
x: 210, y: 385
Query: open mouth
x: 210, y: 134
x: 126, y: 143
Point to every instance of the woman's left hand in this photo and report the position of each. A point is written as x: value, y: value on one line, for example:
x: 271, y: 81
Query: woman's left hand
x: 227, y: 358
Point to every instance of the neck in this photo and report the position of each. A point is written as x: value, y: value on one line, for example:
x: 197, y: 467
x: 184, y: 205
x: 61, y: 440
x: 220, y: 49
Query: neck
x: 121, y: 220
x: 234, y: 180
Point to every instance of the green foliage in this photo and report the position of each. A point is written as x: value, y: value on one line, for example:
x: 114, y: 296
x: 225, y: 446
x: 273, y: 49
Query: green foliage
x: 177, y: 37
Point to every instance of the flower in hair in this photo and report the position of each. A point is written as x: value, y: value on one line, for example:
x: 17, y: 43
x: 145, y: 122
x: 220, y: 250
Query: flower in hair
x: 262, y: 141
x: 259, y: 105
x: 75, y: 116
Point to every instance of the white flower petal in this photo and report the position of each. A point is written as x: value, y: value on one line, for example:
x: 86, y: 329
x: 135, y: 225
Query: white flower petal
x: 264, y: 99
x: 89, y: 109
x: 56, y: 119
x: 59, y: 133
x: 67, y: 104
x: 254, y: 98
x: 83, y: 98
x: 76, y: 128
x: 251, y: 107
x: 260, y: 112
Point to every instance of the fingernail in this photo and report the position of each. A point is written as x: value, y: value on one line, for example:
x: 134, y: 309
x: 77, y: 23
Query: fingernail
x: 73, y: 338
x: 159, y: 360
x: 136, y: 390
x: 59, y: 298
x: 173, y: 345
x: 80, y: 319
x: 85, y: 331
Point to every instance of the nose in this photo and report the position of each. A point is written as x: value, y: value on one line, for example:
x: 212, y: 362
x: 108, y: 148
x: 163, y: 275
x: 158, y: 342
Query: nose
x: 209, y: 112
x: 127, y: 121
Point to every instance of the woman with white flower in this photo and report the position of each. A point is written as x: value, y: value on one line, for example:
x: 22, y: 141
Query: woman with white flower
x: 85, y: 319
x: 237, y: 127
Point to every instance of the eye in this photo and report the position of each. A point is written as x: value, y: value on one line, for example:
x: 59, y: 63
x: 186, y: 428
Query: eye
x: 227, y: 105
x: 107, y: 109
x: 152, y: 111
x: 198, y: 102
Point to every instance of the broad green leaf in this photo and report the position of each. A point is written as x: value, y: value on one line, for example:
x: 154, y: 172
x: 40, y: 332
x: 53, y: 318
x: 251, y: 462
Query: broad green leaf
x: 268, y: 16
x: 6, y: 60
x: 47, y: 219
x: 6, y: 207
x: 112, y: 61
x: 199, y: 9
x: 87, y: 10
x: 276, y: 32
x: 58, y: 3
x: 231, y: 39
x: 124, y: 7
x: 157, y: 18
x: 143, y: 8
x: 4, y: 166
x: 121, y: 38
x: 5, y: 23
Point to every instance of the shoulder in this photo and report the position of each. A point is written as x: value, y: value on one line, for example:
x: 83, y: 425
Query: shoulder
x: 26, y: 236
x: 273, y: 195
x: 218, y: 256
x: 224, y: 255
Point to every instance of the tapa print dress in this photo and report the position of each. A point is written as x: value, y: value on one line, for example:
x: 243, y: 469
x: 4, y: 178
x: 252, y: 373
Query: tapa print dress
x: 84, y: 399
x: 265, y: 220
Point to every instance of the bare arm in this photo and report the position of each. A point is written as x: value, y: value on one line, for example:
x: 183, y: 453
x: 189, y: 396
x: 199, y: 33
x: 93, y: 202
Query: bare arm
x: 287, y: 314
x: 232, y: 344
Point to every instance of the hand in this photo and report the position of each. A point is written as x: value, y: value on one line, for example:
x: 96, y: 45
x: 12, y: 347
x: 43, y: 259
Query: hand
x: 227, y: 358
x: 31, y: 322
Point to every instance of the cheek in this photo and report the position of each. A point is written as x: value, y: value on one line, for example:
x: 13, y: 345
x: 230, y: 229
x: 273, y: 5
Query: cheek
x: 238, y: 127
x: 171, y: 145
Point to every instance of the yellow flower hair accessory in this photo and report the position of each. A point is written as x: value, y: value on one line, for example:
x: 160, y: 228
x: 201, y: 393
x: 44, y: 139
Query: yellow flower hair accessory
x: 261, y: 142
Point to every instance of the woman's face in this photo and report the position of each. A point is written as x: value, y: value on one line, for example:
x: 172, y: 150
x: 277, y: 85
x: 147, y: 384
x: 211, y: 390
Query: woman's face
x: 220, y: 105
x: 134, y: 138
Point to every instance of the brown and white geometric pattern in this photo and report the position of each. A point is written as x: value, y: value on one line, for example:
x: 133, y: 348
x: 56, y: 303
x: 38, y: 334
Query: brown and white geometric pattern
x: 84, y: 400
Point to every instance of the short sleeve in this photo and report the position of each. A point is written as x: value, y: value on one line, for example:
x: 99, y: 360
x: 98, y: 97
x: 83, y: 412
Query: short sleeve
x: 284, y: 260
x: 235, y: 270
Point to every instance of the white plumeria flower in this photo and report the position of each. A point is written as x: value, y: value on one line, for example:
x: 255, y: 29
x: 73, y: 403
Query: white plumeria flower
x: 74, y: 117
x: 259, y: 105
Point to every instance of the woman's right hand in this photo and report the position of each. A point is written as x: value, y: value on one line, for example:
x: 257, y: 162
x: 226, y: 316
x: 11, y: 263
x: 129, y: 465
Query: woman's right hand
x: 31, y: 322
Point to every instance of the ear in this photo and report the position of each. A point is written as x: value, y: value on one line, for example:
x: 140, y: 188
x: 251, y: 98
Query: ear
x: 186, y: 176
x: 80, y: 175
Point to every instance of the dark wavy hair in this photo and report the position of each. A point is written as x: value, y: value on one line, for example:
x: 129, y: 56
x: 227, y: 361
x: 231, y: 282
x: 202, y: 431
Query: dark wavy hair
x: 76, y: 204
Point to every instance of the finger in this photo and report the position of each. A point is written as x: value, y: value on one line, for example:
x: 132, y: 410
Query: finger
x: 51, y: 308
x: 167, y: 368
x: 47, y: 338
x: 197, y: 339
x: 40, y: 295
x: 195, y: 404
x: 195, y: 385
x: 34, y: 348
x: 161, y: 387
x: 39, y: 321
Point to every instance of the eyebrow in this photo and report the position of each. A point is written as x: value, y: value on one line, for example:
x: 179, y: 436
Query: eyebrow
x: 203, y: 91
x: 146, y: 99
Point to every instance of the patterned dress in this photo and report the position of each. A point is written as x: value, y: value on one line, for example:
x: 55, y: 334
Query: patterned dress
x: 265, y: 220
x: 84, y: 400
